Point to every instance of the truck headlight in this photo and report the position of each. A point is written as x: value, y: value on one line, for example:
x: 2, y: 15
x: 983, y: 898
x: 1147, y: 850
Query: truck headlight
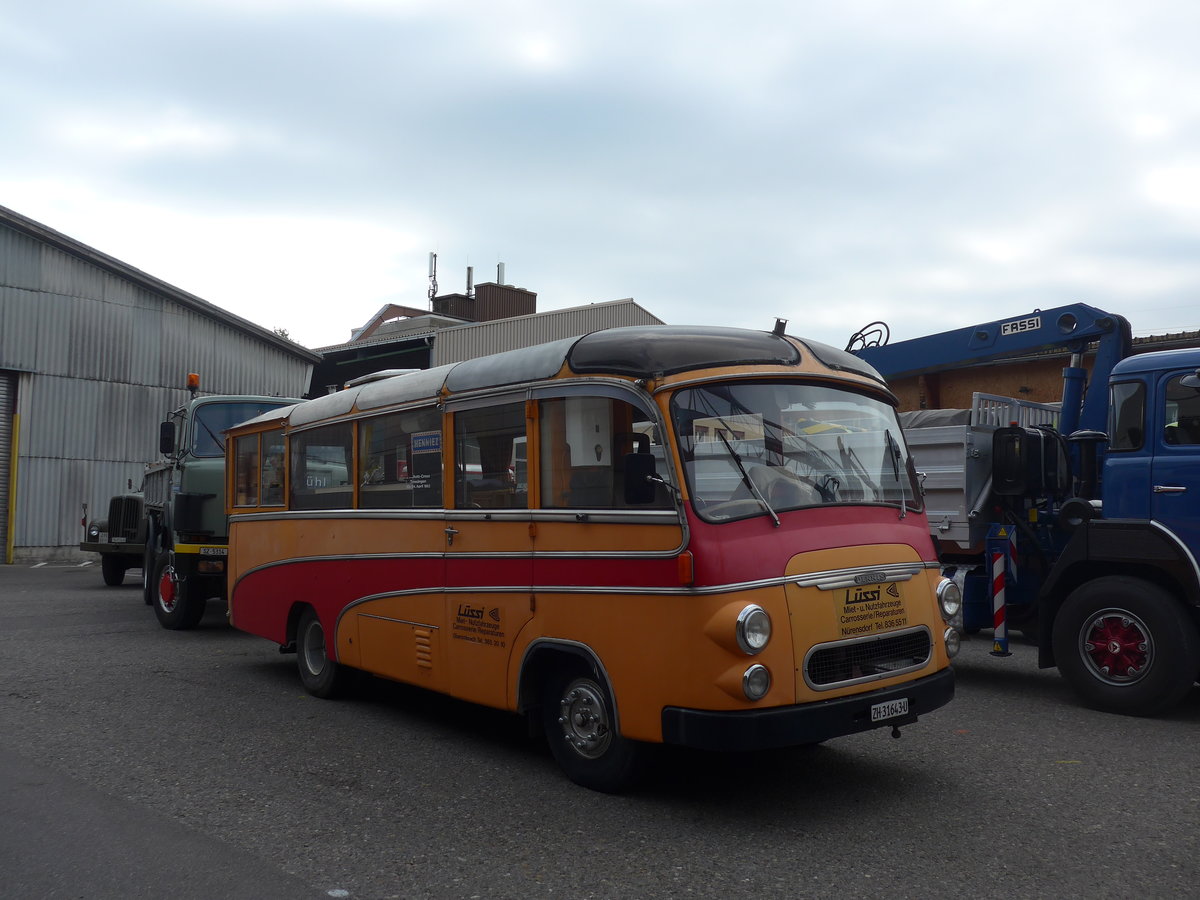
x: 753, y: 629
x: 93, y: 533
x: 756, y: 681
x: 949, y: 597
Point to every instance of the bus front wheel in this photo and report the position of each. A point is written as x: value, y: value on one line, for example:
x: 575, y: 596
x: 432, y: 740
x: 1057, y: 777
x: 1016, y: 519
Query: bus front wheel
x: 580, y: 723
x: 320, y: 675
x: 175, y: 606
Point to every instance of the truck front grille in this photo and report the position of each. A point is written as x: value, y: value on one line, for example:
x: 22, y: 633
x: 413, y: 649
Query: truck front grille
x: 870, y: 658
x: 124, y: 516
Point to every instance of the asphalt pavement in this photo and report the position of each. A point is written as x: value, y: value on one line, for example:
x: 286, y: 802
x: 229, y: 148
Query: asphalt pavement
x: 136, y: 762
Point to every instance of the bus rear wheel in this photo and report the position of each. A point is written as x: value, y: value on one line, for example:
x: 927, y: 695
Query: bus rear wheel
x: 174, y: 605
x: 578, y: 715
x: 320, y: 675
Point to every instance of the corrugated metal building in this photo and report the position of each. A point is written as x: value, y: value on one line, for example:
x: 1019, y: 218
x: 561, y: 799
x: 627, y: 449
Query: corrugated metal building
x: 400, y: 337
x: 93, y: 354
x: 460, y: 342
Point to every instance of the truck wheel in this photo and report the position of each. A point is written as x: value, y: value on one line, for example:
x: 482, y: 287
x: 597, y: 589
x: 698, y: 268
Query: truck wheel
x: 177, y: 609
x: 1126, y: 646
x: 112, y: 568
x: 149, y: 557
x: 578, y: 715
x: 320, y: 675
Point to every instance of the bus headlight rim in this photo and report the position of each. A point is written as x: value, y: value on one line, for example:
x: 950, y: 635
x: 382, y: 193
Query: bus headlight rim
x: 756, y: 681
x: 949, y: 597
x: 753, y: 629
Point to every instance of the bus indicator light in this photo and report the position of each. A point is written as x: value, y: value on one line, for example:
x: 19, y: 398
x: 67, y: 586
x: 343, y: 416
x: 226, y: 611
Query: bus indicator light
x: 687, y: 570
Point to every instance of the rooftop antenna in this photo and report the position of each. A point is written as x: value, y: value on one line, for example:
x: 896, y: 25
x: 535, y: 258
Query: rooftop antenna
x: 499, y: 273
x: 470, y: 281
x: 432, y: 277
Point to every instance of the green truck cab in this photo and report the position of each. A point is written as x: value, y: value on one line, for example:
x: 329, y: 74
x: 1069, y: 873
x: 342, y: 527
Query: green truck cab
x: 186, y: 530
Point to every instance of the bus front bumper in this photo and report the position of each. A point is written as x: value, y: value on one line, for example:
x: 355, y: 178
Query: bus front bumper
x: 810, y: 723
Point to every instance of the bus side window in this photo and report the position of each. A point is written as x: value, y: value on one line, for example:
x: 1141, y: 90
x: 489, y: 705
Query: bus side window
x: 321, y: 465
x: 400, y: 460
x: 584, y: 441
x: 246, y: 470
x: 486, y: 446
x: 272, y: 468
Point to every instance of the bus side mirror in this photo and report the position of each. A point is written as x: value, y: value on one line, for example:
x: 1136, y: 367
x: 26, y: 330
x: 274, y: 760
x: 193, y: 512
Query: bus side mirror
x: 639, y: 470
x: 166, y: 438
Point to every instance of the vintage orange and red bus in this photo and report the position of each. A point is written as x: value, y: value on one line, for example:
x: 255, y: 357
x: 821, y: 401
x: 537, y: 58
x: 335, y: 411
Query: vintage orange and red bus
x: 708, y: 537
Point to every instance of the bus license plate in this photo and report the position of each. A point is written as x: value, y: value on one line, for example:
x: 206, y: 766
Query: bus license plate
x: 889, y: 710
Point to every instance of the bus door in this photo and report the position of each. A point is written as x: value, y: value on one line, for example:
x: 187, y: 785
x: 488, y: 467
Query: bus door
x: 589, y: 540
x: 488, y: 547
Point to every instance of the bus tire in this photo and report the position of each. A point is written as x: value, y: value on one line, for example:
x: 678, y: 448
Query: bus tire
x: 320, y: 675
x: 1126, y: 646
x: 175, y: 606
x: 578, y: 715
x: 112, y: 567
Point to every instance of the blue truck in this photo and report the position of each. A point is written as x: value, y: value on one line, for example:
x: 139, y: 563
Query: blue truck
x: 1074, y: 522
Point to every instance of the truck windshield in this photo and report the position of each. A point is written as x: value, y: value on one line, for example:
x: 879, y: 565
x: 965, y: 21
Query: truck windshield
x: 211, y: 420
x: 761, y: 448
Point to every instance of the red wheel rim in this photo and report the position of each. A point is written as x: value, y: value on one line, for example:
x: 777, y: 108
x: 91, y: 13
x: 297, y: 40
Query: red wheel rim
x: 1117, y: 646
x: 166, y: 590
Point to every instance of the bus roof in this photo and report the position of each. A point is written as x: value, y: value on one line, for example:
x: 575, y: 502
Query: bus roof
x: 642, y: 351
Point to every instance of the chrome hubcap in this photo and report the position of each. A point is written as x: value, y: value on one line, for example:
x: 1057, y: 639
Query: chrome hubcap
x: 583, y: 717
x: 313, y: 648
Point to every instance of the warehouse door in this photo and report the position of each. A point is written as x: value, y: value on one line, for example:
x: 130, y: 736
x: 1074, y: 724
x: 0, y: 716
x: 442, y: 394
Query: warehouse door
x: 8, y: 406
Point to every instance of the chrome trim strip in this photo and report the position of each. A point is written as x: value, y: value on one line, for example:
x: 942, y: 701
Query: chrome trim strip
x: 561, y: 516
x: 1179, y: 543
x: 867, y: 679
x: 863, y: 575
x: 416, y: 514
x: 833, y: 578
x: 400, y: 621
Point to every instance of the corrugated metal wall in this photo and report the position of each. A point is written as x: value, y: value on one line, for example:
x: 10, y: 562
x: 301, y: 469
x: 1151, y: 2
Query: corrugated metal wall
x: 107, y: 359
x: 8, y: 396
x: 482, y: 338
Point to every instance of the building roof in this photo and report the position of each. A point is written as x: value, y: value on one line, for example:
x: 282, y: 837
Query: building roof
x: 110, y: 264
x: 456, y: 328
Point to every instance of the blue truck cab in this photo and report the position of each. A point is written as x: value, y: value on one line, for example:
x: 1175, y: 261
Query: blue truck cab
x: 1092, y: 514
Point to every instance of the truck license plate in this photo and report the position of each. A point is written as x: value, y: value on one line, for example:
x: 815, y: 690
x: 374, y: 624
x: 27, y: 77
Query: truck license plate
x: 889, y: 709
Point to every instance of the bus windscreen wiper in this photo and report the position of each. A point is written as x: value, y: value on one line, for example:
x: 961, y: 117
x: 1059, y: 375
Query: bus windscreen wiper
x: 737, y: 461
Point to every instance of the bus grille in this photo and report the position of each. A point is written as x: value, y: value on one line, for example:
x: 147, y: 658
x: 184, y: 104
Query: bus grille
x: 867, y: 659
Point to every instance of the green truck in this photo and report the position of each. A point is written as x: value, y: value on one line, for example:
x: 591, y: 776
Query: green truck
x: 186, y: 530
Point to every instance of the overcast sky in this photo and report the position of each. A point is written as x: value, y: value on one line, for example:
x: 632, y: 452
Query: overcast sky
x: 931, y: 164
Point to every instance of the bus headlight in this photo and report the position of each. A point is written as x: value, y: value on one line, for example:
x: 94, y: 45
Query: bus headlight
x: 753, y: 629
x: 756, y: 681
x: 949, y: 597
x: 952, y: 642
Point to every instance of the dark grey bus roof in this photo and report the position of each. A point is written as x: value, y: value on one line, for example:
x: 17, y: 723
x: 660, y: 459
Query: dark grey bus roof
x: 640, y: 351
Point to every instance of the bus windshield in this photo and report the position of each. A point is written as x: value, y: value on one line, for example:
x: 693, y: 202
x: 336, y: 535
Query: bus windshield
x: 761, y: 448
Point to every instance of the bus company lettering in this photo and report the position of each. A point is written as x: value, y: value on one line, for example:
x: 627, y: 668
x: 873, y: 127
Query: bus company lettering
x: 867, y: 610
x: 479, y: 625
